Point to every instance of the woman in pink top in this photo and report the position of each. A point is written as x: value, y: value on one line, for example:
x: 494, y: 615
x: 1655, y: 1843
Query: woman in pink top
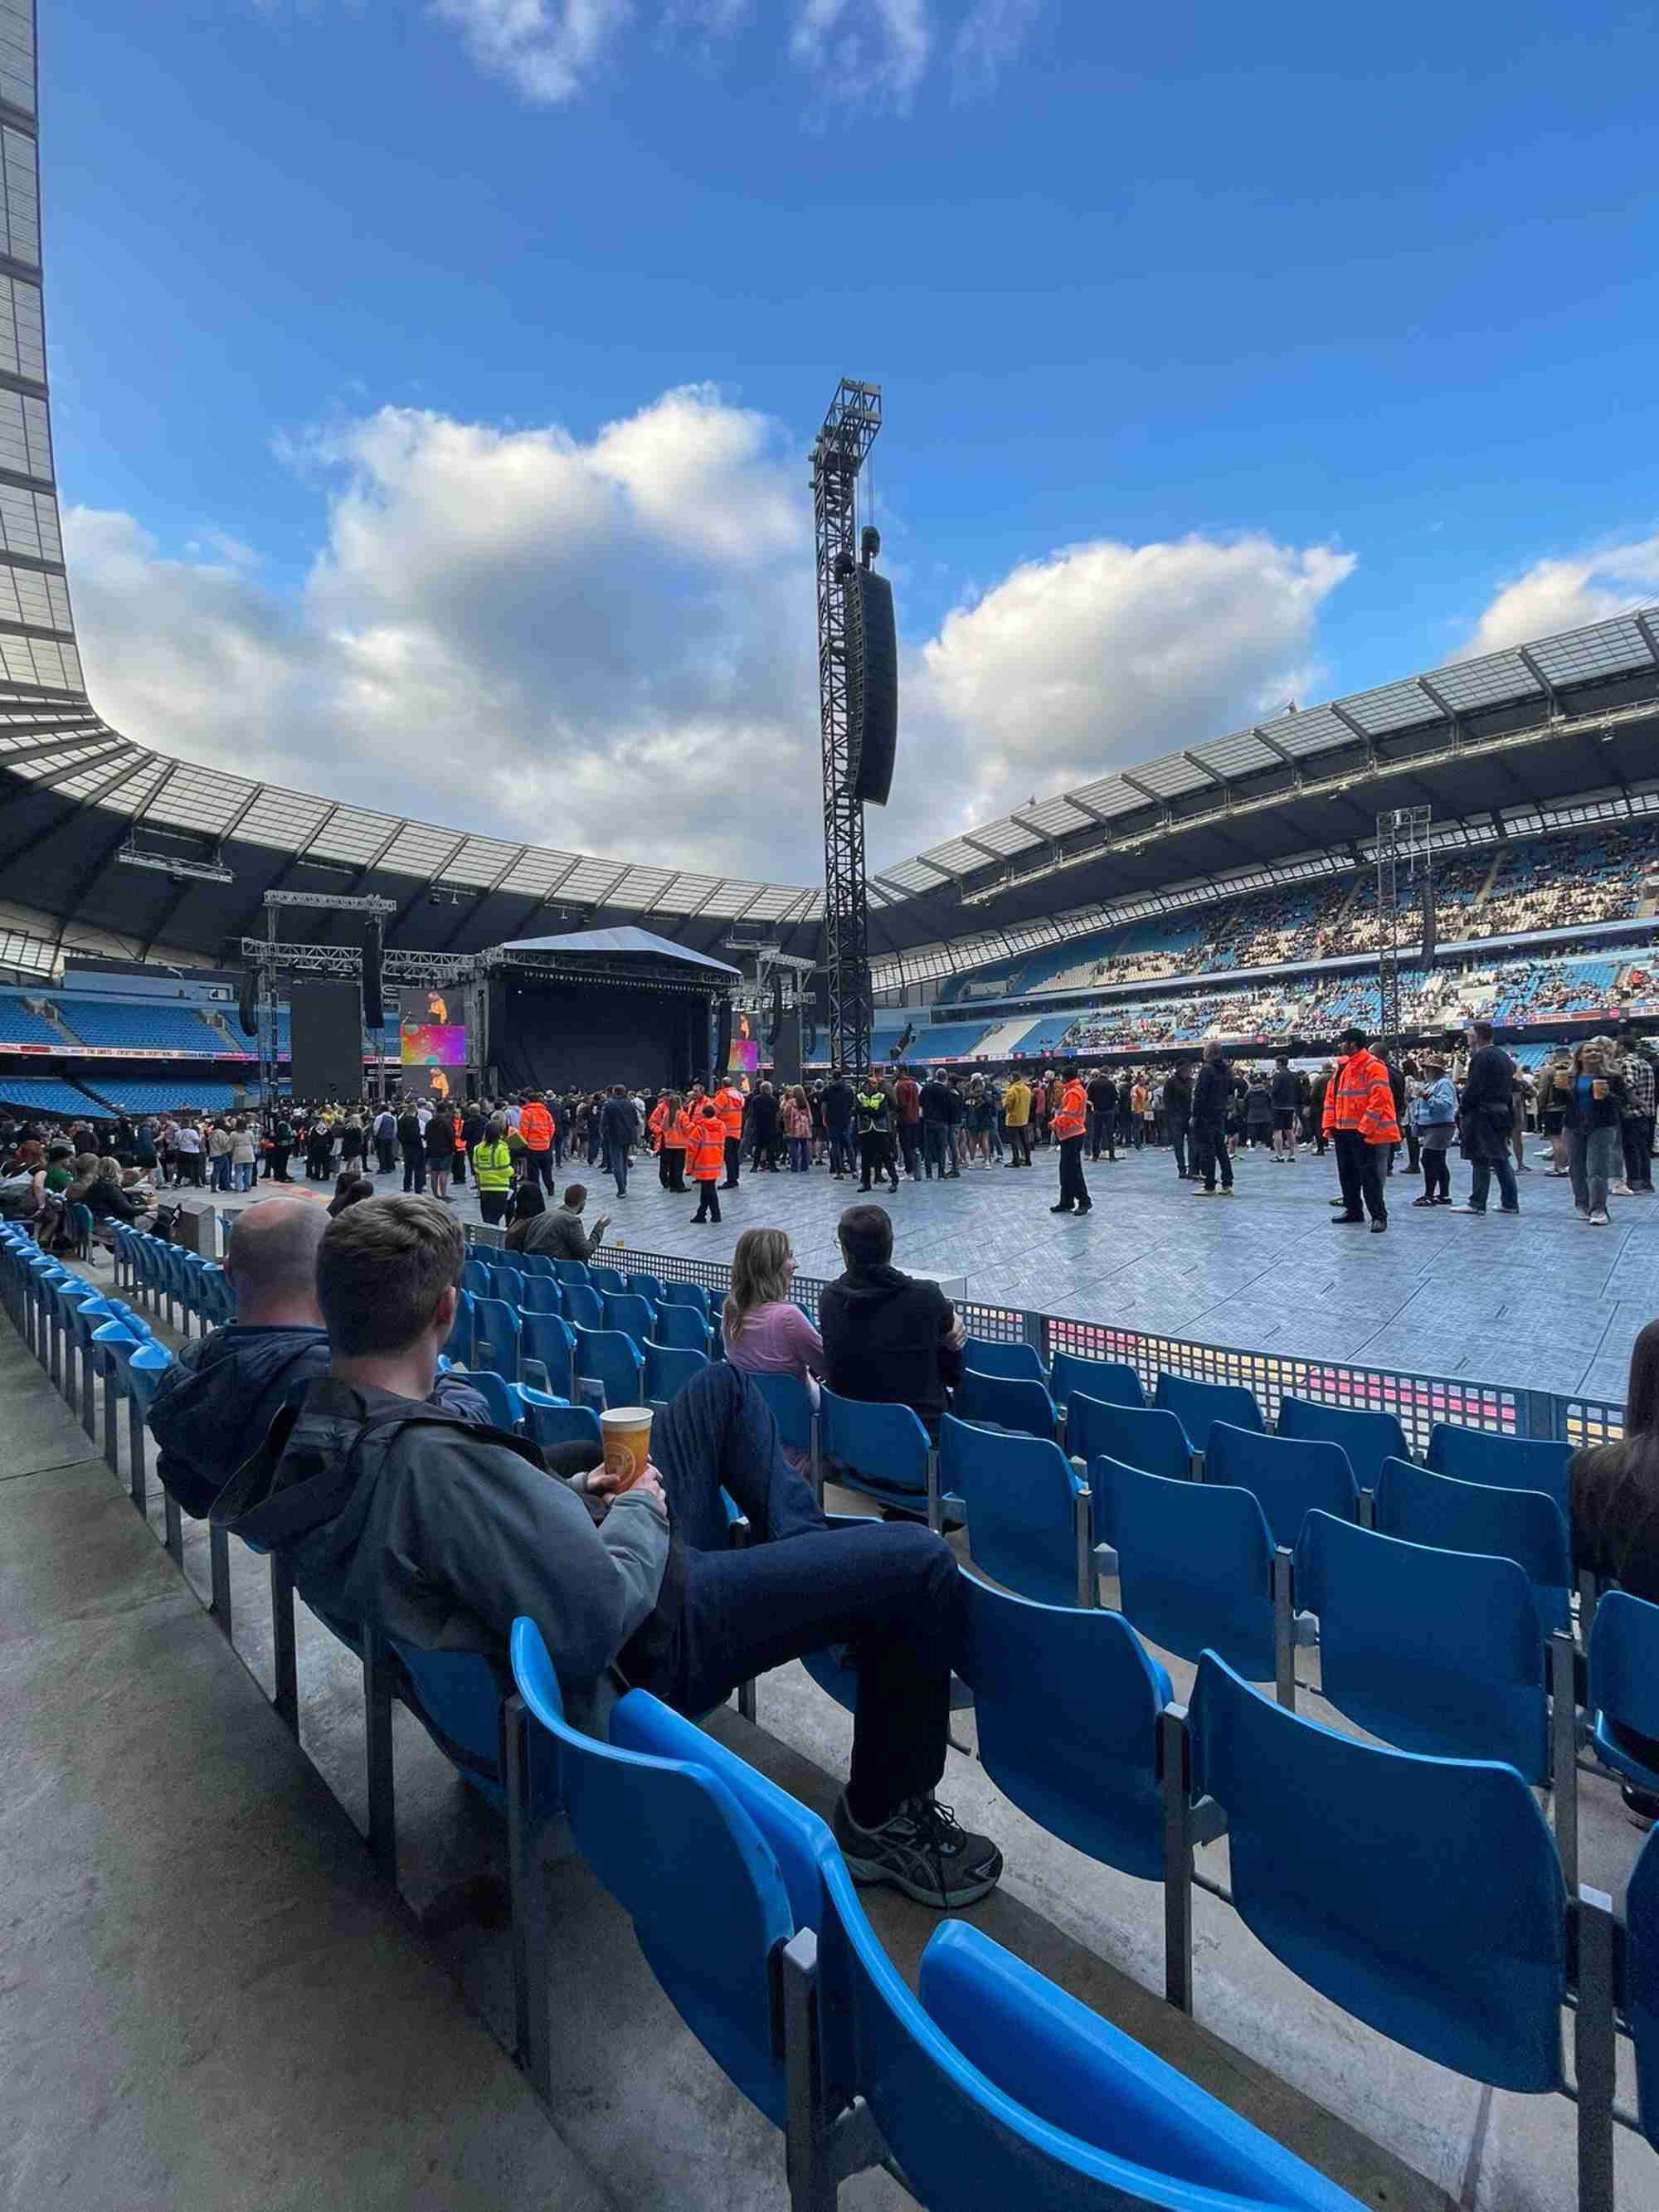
x: 765, y: 1333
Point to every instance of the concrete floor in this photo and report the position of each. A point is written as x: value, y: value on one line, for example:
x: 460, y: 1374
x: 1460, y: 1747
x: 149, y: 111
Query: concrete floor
x: 253, y: 2019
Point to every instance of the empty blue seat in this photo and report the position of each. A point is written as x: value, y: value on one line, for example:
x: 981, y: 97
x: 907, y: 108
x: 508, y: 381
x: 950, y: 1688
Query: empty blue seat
x: 1137, y: 1436
x: 1289, y: 1477
x: 646, y: 1286
x: 583, y: 1306
x: 1066, y: 1707
x: 1509, y: 1462
x: 1624, y: 1682
x: 605, y: 1355
x: 549, y: 1421
x: 571, y: 1271
x: 683, y: 1326
x: 1028, y: 1513
x: 531, y: 1264
x: 1197, y: 1405
x: 1368, y: 1438
x: 504, y: 1398
x: 1005, y: 1402
x: 686, y: 1294
x: 1642, y: 1980
x: 606, y: 1280
x: 506, y: 1283
x: 458, y: 1343
x: 456, y: 1697
x: 632, y: 1314
x: 1422, y: 1895
x: 1195, y: 1564
x: 476, y: 1276
x: 1016, y: 1361
x: 1435, y: 1651
x: 496, y: 1328
x: 1525, y: 1526
x: 543, y: 1294
x: 547, y: 1352
x: 667, y: 1371
x: 882, y: 1451
x: 1109, y: 1382
x: 792, y: 1408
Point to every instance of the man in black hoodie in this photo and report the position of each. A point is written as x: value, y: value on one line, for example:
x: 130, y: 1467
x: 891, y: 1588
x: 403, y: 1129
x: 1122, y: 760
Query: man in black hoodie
x: 838, y: 1109
x: 221, y: 1394
x: 393, y: 1514
x: 888, y: 1338
x: 1177, y: 1113
x: 935, y: 1122
x: 1213, y: 1094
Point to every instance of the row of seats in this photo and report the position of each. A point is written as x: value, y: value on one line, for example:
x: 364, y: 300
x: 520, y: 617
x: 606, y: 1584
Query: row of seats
x: 1406, y: 1930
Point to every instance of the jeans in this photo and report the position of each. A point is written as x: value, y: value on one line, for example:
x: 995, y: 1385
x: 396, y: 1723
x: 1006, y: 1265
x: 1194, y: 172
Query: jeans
x: 1019, y: 1144
x: 1480, y: 1177
x: 415, y: 1168
x: 385, y: 1149
x: 222, y: 1171
x: 1637, y: 1137
x: 1359, y: 1171
x: 539, y: 1167
x: 1074, y: 1191
x: 1178, y: 1146
x: 799, y: 1147
x: 934, y: 1135
x: 615, y: 1164
x: 244, y: 1175
x: 1593, y: 1158
x: 840, y: 1151
x: 909, y: 1137
x: 890, y: 1591
x: 1437, y: 1174
x: 733, y: 1160
x: 1209, y: 1151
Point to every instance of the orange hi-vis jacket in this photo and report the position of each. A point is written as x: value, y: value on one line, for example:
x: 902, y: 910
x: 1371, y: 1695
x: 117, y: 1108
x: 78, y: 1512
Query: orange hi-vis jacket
x: 1071, y: 1118
x: 536, y: 1127
x: 1360, y: 1096
x: 681, y: 1135
x: 728, y: 1104
x: 705, y: 1155
x: 656, y: 1122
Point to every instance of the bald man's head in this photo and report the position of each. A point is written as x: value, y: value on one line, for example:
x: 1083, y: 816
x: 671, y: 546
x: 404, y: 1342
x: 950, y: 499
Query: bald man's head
x: 272, y: 1262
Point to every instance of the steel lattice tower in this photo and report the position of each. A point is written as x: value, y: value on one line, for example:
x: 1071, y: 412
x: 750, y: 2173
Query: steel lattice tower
x: 849, y: 430
x: 1404, y: 888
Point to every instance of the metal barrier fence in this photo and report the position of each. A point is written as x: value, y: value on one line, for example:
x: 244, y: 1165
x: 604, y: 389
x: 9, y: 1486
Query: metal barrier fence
x: 1416, y: 1402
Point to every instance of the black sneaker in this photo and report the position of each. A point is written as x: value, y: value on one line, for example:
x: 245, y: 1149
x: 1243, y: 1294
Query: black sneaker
x: 924, y: 1850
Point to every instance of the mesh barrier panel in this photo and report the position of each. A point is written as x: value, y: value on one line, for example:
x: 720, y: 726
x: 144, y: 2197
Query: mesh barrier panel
x: 1588, y: 1421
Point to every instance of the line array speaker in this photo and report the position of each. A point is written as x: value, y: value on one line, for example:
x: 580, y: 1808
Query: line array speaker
x: 722, y: 1037
x: 872, y: 686
x: 374, y: 1001
x: 247, y: 1000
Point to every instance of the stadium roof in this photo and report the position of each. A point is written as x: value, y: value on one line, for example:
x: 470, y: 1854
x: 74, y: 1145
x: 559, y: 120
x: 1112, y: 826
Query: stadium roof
x: 636, y: 942
x: 1501, y: 736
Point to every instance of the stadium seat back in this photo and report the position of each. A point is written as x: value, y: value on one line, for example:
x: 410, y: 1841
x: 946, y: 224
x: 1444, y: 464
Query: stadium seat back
x: 507, y: 1284
x: 549, y: 1420
x: 1642, y: 1980
x: 606, y: 1280
x: 531, y: 1264
x: 475, y: 1278
x: 646, y: 1286
x: 542, y: 1294
x: 1434, y: 1651
x: 504, y: 1398
x: 1137, y: 1435
x: 1354, y: 1865
x: 686, y: 1294
x: 1021, y: 1494
x: 584, y: 1308
x: 1066, y: 1707
x: 458, y: 1344
x: 1507, y: 1462
x: 791, y: 1409
x: 883, y: 1447
x: 572, y: 1271
x: 675, y: 1847
x: 605, y: 1355
x: 1368, y: 1438
x: 496, y: 1329
x: 546, y: 1347
x: 1624, y: 1682
x: 632, y: 1314
x: 1289, y: 1477
x: 1197, y: 1405
x: 1194, y: 1565
x: 1015, y: 1362
x: 1005, y: 1402
x: 1525, y: 1526
x: 1109, y: 1382
x: 667, y: 1371
x: 456, y: 1697
x: 683, y: 1327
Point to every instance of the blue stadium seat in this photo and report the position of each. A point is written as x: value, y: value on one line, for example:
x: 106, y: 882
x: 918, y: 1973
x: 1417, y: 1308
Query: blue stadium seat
x: 532, y: 1264
x: 543, y: 1294
x: 1197, y: 1405
x: 1005, y: 1402
x: 1066, y: 1707
x: 506, y: 1283
x: 646, y: 1286
x: 477, y: 1277
x: 1415, y: 1504
x: 1456, y: 1949
x: 496, y: 1328
x: 881, y: 1450
x: 607, y: 1279
x: 1138, y: 1435
x: 1195, y: 1564
x: 1368, y: 1438
x: 1028, y: 1513
x: 1109, y: 1382
x: 791, y: 1409
x: 683, y: 1327
x: 505, y: 1400
x: 1018, y: 1361
x: 572, y: 1271
x: 632, y: 1314
x: 1289, y: 1477
x: 668, y: 1371
x: 584, y: 1308
x: 1624, y: 1683
x: 605, y: 1355
x: 1435, y: 1651
x: 456, y: 1697
x: 1508, y: 1462
x: 550, y: 1420
x: 686, y: 1294
x: 458, y: 1343
x: 1642, y: 1981
x: 547, y: 1351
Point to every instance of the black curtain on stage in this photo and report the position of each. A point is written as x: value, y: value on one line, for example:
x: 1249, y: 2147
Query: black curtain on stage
x: 543, y: 1033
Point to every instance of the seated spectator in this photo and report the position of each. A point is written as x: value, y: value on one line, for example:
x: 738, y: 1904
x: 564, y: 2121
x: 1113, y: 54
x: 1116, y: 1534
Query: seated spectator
x: 888, y: 1338
x: 394, y: 1514
x: 101, y: 1193
x: 350, y: 1188
x: 765, y: 1333
x: 223, y: 1392
x: 559, y: 1233
x: 1613, y: 1493
x: 527, y: 1203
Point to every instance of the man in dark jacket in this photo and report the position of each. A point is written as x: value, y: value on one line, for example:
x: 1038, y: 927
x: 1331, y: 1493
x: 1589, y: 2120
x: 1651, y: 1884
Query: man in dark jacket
x: 223, y: 1392
x: 393, y: 1514
x: 762, y: 1118
x: 1178, y: 1114
x: 1102, y: 1114
x: 619, y: 1126
x: 412, y: 1142
x: 838, y: 1109
x: 956, y: 1108
x: 1213, y: 1094
x: 888, y: 1338
x: 1486, y: 1115
x: 935, y: 1123
x: 1314, y: 1118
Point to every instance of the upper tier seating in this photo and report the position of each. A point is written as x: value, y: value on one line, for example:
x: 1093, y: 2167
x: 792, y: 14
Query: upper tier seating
x: 20, y: 1024
x: 155, y: 1026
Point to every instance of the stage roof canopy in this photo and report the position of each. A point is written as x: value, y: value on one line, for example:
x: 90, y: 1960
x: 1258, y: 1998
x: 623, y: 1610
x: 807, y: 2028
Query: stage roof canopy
x: 639, y: 942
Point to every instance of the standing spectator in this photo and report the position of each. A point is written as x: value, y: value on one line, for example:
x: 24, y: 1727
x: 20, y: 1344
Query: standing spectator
x: 492, y: 1170
x: 1140, y: 1100
x: 1286, y: 1097
x: 220, y: 1148
x: 244, y: 1157
x: 440, y: 1151
x: 1016, y: 1115
x: 1487, y: 1113
x: 1177, y: 1115
x: 764, y: 1331
x: 187, y: 1144
x: 1123, y: 1107
x: 955, y: 1111
x: 875, y: 1124
x: 281, y: 1144
x: 1259, y: 1124
x: 475, y: 1128
x: 536, y: 1127
x: 1360, y: 1117
x: 1595, y: 1112
x: 840, y: 1108
x: 1434, y: 1121
x: 385, y: 1139
x: 763, y: 1129
x: 351, y: 1142
x: 1554, y: 1083
x: 706, y: 1158
x: 1069, y: 1125
x: 935, y: 1108
x: 1212, y: 1094
x: 1637, y: 1068
x: 412, y: 1140
x: 815, y: 1100
x: 619, y: 1127
x: 907, y: 1113
x: 978, y: 1121
x: 798, y: 1130
x: 1315, y: 1120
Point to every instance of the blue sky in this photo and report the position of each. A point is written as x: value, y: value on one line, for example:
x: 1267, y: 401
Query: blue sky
x: 1328, y: 332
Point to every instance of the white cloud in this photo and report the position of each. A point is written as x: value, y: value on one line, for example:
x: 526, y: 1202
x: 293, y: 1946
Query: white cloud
x: 608, y: 644
x: 1566, y: 592
x: 989, y: 39
x: 547, y: 48
x: 866, y: 52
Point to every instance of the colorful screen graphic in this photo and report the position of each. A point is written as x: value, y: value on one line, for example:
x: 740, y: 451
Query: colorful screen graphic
x: 432, y: 1053
x: 744, y: 1057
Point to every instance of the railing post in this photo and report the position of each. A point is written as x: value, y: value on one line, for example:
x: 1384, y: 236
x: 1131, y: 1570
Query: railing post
x: 935, y: 1510
x: 1284, y: 1628
x: 137, y: 1486
x: 112, y: 1419
x: 218, y: 1579
x: 377, y: 1731
x: 1594, y: 2055
x: 1564, y: 1753
x: 1088, y: 1587
x: 810, y: 2178
x: 1174, y: 1766
x: 284, y: 1656
x: 527, y: 1886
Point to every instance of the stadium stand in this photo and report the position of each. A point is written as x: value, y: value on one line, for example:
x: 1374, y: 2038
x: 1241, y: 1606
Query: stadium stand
x: 210, y: 1094
x: 49, y: 1094
x: 148, y: 1026
x: 20, y: 1024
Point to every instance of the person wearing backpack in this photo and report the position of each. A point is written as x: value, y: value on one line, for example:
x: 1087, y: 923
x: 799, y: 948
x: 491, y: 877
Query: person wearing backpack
x: 386, y: 1140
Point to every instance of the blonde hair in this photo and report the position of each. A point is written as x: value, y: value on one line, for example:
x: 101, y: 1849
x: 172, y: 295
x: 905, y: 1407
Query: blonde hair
x: 757, y: 1278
